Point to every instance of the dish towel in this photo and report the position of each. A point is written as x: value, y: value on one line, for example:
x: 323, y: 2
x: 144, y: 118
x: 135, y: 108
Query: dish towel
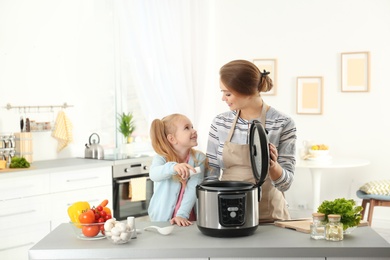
x: 62, y: 131
x: 137, y: 189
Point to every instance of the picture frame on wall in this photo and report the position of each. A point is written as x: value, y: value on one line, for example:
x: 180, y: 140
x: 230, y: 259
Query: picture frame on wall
x: 355, y: 71
x: 309, y: 95
x: 269, y: 65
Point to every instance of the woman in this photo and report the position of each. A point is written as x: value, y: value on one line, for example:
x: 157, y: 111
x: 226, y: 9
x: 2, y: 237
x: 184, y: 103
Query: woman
x: 241, y: 83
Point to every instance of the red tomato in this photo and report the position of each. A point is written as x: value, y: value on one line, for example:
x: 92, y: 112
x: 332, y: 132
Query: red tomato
x: 87, y: 217
x: 99, y: 208
x: 91, y: 230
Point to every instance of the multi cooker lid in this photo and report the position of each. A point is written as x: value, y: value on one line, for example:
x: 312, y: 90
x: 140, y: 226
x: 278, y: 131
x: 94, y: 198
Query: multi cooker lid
x: 259, y: 151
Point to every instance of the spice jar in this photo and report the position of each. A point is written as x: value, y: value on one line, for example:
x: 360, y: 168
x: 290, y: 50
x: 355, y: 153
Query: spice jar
x: 317, y: 228
x: 334, y: 228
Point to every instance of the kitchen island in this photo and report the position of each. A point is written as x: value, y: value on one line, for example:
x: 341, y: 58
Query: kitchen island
x: 189, y: 243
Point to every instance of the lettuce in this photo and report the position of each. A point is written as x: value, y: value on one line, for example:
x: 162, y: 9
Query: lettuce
x: 350, y: 213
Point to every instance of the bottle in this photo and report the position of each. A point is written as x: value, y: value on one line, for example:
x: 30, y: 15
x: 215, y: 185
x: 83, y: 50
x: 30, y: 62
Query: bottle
x: 317, y: 228
x: 131, y: 224
x: 334, y: 228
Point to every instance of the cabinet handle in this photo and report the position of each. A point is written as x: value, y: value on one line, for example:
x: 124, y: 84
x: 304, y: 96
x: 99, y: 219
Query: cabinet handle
x: 17, y: 246
x: 89, y: 201
x: 83, y: 179
x: 127, y: 180
x: 18, y: 213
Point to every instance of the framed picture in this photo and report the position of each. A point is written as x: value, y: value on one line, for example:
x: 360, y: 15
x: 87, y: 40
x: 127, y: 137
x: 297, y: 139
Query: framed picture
x: 355, y: 72
x: 309, y: 95
x: 270, y: 66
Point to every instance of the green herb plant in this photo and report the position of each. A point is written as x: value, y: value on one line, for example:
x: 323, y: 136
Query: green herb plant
x: 126, y: 124
x: 350, y: 213
x: 19, y: 162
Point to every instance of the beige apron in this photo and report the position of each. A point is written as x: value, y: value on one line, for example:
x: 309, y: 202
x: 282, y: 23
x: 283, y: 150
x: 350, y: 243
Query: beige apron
x: 236, y: 159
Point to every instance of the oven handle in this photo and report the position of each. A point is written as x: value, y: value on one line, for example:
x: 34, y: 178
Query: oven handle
x: 127, y: 180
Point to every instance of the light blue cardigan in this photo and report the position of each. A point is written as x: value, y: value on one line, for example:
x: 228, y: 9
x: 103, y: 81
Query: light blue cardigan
x: 167, y: 190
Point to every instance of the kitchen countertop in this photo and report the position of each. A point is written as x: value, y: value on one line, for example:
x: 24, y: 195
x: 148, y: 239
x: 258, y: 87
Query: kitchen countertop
x: 67, y: 164
x: 189, y: 242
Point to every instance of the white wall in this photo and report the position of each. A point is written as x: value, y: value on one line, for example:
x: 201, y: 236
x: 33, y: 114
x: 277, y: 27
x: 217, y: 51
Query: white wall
x: 63, y: 51
x: 53, y: 52
x: 307, y: 38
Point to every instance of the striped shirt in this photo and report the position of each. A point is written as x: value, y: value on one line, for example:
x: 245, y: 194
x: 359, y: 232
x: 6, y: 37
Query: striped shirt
x: 281, y: 132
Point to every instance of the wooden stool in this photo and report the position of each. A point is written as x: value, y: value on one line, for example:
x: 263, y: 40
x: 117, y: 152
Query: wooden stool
x: 374, y: 200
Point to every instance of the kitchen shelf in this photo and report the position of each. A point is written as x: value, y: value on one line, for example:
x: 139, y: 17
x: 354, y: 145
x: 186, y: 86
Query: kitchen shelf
x: 65, y: 105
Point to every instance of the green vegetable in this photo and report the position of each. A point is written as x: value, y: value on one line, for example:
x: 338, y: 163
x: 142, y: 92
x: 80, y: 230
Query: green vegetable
x: 350, y: 213
x: 19, y: 162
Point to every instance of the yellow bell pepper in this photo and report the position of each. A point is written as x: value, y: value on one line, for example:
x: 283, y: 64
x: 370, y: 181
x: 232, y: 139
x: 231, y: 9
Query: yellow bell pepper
x: 76, y: 209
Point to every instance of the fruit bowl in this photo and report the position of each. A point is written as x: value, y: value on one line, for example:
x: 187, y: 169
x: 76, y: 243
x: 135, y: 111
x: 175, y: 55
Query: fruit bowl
x: 318, y: 153
x: 91, y: 231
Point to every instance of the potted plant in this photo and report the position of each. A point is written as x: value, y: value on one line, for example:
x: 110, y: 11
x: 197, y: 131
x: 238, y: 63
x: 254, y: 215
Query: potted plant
x: 350, y: 213
x: 126, y: 125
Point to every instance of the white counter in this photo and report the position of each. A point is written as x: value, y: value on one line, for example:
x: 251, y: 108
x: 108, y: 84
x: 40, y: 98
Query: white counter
x: 189, y: 242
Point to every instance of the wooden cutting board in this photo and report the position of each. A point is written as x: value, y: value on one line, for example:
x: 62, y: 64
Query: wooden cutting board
x: 304, y: 224
x: 15, y: 169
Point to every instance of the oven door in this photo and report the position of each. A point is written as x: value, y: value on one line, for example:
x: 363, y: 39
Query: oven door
x: 131, y: 196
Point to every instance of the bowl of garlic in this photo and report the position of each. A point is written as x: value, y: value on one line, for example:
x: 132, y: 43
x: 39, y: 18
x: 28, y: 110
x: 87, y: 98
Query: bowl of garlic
x: 118, y: 232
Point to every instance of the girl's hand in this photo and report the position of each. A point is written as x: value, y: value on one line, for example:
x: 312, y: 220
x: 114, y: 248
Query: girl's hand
x: 180, y: 221
x: 183, y: 170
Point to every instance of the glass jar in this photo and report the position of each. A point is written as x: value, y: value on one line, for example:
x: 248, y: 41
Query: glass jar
x: 334, y: 228
x: 317, y: 228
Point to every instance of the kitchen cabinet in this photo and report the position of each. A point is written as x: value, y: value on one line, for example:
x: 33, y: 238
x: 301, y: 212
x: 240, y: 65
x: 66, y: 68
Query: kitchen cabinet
x: 34, y: 202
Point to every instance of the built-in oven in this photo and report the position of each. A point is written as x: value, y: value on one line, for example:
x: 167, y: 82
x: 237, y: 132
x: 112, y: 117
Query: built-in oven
x: 132, y: 187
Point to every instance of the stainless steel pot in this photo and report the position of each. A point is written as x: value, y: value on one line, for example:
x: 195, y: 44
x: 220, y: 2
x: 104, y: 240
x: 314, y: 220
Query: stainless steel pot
x: 230, y: 208
x: 94, y: 150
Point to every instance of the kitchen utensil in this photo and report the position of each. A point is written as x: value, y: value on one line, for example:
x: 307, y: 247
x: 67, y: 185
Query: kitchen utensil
x: 94, y: 150
x: 230, y: 208
x: 162, y: 230
x: 21, y: 124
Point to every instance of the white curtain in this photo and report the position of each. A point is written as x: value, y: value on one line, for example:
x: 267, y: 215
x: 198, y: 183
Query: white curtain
x: 169, y: 45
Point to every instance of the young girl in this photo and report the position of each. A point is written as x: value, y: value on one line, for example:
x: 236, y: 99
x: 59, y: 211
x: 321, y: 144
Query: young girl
x: 174, y: 194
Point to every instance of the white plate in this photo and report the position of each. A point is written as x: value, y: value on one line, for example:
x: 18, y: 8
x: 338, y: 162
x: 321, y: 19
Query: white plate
x: 324, y: 158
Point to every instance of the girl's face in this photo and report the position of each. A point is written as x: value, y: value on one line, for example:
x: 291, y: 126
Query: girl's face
x: 234, y: 102
x: 186, y: 136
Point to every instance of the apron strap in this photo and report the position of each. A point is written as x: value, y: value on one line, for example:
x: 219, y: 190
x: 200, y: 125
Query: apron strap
x: 262, y: 120
x: 233, y: 126
x: 264, y: 113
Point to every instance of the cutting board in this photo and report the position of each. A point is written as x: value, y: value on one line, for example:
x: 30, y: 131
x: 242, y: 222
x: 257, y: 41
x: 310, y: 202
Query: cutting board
x: 304, y: 224
x: 15, y: 169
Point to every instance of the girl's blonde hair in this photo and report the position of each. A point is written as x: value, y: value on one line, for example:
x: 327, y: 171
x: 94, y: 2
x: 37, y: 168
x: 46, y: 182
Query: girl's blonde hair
x: 159, y: 130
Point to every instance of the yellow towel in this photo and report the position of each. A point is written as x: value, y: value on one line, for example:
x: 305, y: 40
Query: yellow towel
x: 137, y: 189
x: 62, y: 131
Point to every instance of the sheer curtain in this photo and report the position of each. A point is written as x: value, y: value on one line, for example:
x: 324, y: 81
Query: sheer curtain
x: 169, y: 47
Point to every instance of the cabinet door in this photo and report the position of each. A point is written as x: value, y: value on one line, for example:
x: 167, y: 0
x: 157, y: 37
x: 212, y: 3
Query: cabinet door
x: 80, y: 179
x: 60, y: 202
x: 16, y: 241
x: 25, y: 211
x: 24, y: 186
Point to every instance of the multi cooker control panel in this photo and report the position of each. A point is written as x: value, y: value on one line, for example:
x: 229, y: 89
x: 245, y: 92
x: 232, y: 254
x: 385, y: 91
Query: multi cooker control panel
x: 231, y: 209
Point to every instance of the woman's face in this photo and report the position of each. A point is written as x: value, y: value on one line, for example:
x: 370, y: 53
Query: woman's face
x: 234, y: 102
x: 185, y: 136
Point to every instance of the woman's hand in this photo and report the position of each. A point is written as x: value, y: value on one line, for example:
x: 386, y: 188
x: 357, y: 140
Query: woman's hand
x: 180, y: 221
x: 275, y: 170
x: 183, y: 170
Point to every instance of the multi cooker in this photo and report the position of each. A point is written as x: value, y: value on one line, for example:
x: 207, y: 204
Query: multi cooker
x: 230, y: 208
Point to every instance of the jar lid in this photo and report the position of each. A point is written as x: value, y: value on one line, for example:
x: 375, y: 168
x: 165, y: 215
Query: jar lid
x: 334, y: 216
x: 317, y: 214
